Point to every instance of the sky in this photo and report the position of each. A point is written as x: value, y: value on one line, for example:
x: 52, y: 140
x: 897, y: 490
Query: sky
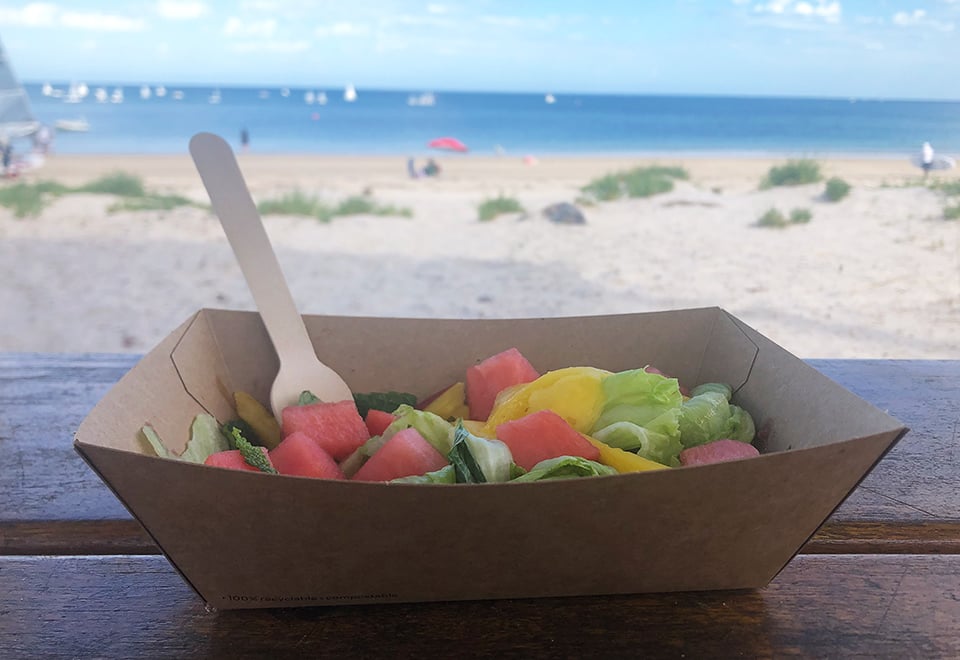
x: 822, y: 48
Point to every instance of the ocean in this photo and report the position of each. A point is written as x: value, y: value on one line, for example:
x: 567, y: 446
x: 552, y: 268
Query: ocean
x: 397, y: 123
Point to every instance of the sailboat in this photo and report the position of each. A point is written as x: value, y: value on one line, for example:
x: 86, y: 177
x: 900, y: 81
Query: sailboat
x: 350, y: 94
x: 16, y: 116
x: 214, y: 97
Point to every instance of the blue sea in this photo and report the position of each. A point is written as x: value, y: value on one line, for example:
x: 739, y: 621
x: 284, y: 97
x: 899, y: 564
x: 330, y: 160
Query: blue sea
x: 392, y: 122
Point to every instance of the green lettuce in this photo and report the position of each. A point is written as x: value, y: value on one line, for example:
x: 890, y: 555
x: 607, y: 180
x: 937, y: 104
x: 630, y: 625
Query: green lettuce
x: 479, y: 460
x: 565, y: 467
x: 659, y: 447
x: 704, y: 418
x: 205, y: 439
x: 740, y: 426
x: 720, y: 388
x: 445, y: 475
x: 639, y: 397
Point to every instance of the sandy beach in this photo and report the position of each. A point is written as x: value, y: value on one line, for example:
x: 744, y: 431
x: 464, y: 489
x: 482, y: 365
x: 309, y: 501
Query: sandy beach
x: 876, y: 274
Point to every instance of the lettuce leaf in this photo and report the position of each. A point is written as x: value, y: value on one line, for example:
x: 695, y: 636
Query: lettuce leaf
x: 205, y: 439
x: 704, y: 418
x: 445, y: 475
x: 740, y: 426
x: 640, y: 397
x: 660, y: 447
x: 720, y: 388
x: 565, y: 467
x: 479, y: 460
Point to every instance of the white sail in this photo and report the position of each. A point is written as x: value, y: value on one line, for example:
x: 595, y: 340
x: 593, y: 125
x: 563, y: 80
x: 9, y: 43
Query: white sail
x: 16, y: 116
x: 350, y: 94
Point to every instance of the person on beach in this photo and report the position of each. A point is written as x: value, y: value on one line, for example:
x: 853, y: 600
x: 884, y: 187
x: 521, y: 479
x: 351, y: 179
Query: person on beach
x: 244, y: 139
x: 6, y: 149
x: 412, y: 169
x: 926, y: 158
x: 431, y: 168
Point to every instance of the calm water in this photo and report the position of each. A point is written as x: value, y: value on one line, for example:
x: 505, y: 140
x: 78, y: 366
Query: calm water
x: 382, y: 122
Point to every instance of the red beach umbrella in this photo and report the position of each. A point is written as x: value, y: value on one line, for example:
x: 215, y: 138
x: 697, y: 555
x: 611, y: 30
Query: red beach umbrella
x: 448, y: 143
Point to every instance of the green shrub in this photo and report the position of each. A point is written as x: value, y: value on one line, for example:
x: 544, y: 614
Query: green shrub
x: 604, y: 189
x: 363, y: 205
x: 117, y: 183
x: 772, y: 218
x: 793, y: 173
x: 23, y: 199
x: 948, y: 188
x: 800, y: 216
x: 491, y: 208
x: 150, y: 203
x: 836, y: 189
x: 951, y: 212
x: 295, y: 203
x: 638, y: 182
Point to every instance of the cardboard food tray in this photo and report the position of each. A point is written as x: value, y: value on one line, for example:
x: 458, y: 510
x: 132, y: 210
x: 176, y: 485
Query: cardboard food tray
x: 244, y: 539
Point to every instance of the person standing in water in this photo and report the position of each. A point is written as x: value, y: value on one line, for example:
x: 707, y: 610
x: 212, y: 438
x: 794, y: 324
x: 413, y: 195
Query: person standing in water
x: 244, y: 139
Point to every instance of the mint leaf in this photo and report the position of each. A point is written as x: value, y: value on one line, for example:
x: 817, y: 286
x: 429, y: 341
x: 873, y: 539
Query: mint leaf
x: 251, y: 454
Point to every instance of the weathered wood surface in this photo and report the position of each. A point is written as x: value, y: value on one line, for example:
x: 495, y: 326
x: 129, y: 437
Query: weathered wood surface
x: 43, y: 398
x: 896, y: 606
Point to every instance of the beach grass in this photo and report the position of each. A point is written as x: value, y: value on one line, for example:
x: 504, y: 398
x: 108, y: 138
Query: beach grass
x: 120, y: 184
x: 298, y: 203
x: 29, y: 199
x: 774, y: 218
x: 949, y: 188
x: 951, y: 212
x: 150, y: 202
x: 491, y: 208
x: 792, y: 173
x: 23, y: 199
x: 836, y: 189
x: 637, y: 182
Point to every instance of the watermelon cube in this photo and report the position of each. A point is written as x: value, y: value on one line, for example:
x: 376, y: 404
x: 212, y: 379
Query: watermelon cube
x: 377, y: 421
x: 233, y: 460
x: 542, y: 435
x: 299, y: 455
x: 337, y: 427
x: 717, y: 452
x: 404, y: 455
x: 490, y: 377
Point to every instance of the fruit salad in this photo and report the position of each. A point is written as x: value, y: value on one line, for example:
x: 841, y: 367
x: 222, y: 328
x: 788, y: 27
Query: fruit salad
x: 505, y: 422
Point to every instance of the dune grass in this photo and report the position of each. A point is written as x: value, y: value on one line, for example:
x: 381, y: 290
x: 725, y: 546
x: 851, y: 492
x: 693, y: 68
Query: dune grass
x: 499, y: 205
x: 951, y: 212
x: 836, y: 189
x: 29, y: 199
x: 299, y: 203
x: 774, y: 218
x: 638, y: 182
x: 793, y: 173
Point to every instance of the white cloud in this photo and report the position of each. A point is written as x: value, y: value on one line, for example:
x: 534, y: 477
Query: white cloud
x: 919, y: 18
x: 518, y: 22
x: 101, y: 22
x: 343, y: 29
x: 234, y: 27
x: 180, y: 11
x: 44, y: 14
x: 437, y: 9
x: 35, y: 14
x: 270, y: 46
x: 826, y: 10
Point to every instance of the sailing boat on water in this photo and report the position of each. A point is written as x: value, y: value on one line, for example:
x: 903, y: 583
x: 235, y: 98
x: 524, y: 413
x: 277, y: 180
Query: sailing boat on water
x: 350, y: 93
x: 16, y: 116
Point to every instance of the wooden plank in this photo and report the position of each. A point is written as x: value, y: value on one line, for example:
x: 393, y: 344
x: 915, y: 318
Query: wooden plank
x: 920, y: 479
x: 43, y: 398
x: 820, y: 606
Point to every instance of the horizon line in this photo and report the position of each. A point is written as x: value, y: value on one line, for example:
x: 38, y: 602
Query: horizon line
x: 419, y: 90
